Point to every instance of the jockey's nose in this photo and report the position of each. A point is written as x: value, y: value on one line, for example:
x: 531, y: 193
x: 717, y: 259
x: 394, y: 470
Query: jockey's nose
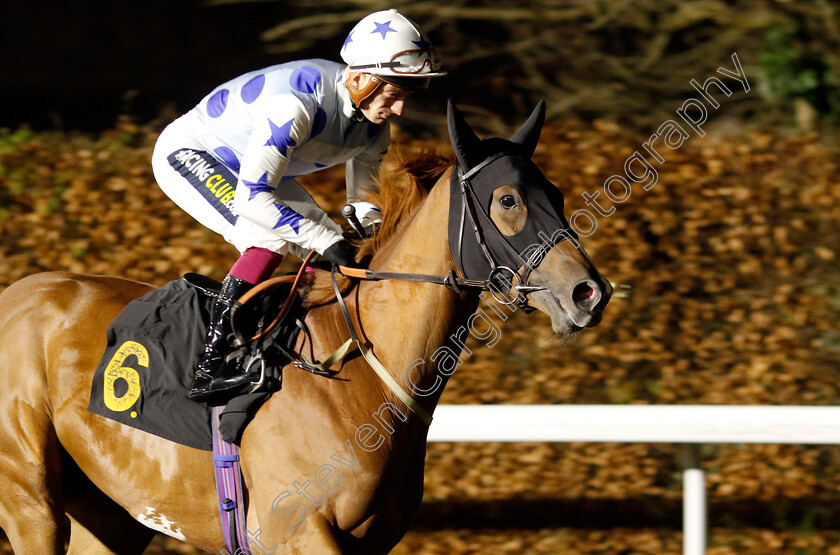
x: 586, y: 295
x: 398, y: 107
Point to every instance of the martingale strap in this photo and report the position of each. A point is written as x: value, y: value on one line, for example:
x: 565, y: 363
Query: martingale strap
x: 377, y: 366
x: 353, y: 344
x: 389, y: 380
x: 229, y: 488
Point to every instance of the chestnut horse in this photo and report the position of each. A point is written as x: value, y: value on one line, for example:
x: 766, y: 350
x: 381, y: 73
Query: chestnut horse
x: 329, y: 465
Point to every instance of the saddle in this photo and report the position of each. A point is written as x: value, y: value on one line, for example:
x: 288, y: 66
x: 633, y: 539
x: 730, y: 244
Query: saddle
x: 154, y: 343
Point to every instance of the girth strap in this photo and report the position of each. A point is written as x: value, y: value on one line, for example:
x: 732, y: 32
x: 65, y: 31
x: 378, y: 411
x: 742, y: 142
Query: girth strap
x: 229, y: 488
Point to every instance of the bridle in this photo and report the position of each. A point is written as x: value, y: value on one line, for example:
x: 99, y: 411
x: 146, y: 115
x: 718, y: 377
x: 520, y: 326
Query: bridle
x: 502, y: 279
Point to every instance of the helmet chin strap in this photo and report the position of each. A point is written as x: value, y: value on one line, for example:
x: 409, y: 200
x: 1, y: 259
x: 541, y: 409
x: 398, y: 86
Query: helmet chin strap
x: 358, y: 115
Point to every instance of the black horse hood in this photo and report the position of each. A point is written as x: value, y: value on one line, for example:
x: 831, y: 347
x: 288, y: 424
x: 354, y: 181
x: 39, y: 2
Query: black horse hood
x: 482, y: 165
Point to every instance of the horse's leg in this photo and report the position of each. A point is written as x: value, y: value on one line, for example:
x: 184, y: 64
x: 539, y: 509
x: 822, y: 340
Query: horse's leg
x: 321, y: 538
x: 268, y: 532
x: 31, y: 506
x: 31, y: 498
x: 97, y: 523
x: 83, y: 541
x: 315, y: 536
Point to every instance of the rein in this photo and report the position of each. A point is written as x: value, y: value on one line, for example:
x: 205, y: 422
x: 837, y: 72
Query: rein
x: 450, y: 281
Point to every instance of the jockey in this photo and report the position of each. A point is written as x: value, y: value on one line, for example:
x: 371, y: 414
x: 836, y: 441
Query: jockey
x: 231, y: 161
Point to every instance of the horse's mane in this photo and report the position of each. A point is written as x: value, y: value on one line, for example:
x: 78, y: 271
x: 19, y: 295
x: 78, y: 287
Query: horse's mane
x: 407, y: 175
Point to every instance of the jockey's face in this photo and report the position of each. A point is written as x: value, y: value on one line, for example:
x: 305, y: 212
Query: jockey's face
x: 387, y: 102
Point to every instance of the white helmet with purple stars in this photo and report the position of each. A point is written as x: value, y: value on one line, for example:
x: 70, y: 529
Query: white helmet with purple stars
x: 392, y: 47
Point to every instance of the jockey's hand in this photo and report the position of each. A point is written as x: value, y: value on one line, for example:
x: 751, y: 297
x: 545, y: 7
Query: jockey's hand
x: 342, y: 253
x: 370, y: 216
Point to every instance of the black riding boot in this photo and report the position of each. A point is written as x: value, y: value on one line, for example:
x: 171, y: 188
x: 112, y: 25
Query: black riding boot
x: 215, y: 379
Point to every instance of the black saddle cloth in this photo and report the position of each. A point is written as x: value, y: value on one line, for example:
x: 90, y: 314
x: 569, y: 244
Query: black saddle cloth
x: 153, y: 346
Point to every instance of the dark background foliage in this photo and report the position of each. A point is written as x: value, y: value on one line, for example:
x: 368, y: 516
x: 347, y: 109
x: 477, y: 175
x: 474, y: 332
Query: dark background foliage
x: 79, y: 64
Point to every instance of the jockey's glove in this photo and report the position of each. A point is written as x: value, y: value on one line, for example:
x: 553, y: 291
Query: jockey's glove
x: 342, y: 253
x: 370, y: 216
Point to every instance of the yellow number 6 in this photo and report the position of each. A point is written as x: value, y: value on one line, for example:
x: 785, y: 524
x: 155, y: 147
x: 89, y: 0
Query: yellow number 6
x: 116, y: 370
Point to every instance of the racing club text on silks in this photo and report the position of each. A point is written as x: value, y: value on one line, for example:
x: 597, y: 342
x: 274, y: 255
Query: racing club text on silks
x: 209, y: 177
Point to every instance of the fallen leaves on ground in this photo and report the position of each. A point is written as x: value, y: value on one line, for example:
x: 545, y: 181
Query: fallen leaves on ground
x: 727, y: 292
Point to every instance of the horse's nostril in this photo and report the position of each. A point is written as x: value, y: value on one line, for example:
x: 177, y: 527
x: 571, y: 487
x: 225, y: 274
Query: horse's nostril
x: 585, y: 296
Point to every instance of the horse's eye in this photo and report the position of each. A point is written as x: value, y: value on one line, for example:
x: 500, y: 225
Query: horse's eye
x: 507, y: 202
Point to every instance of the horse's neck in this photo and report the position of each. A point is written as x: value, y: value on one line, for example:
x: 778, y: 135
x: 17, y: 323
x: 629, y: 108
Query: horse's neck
x: 407, y: 322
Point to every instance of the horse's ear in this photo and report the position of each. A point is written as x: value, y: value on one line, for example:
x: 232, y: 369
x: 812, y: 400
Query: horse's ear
x: 464, y: 140
x: 529, y: 134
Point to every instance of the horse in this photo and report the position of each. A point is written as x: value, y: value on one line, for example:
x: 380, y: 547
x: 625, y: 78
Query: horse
x: 328, y: 465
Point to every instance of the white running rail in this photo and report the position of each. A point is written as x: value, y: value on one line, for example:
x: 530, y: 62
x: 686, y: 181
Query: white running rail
x: 690, y: 425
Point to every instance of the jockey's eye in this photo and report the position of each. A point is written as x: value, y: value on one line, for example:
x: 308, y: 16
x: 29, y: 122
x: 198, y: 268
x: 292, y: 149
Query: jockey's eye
x: 507, y: 202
